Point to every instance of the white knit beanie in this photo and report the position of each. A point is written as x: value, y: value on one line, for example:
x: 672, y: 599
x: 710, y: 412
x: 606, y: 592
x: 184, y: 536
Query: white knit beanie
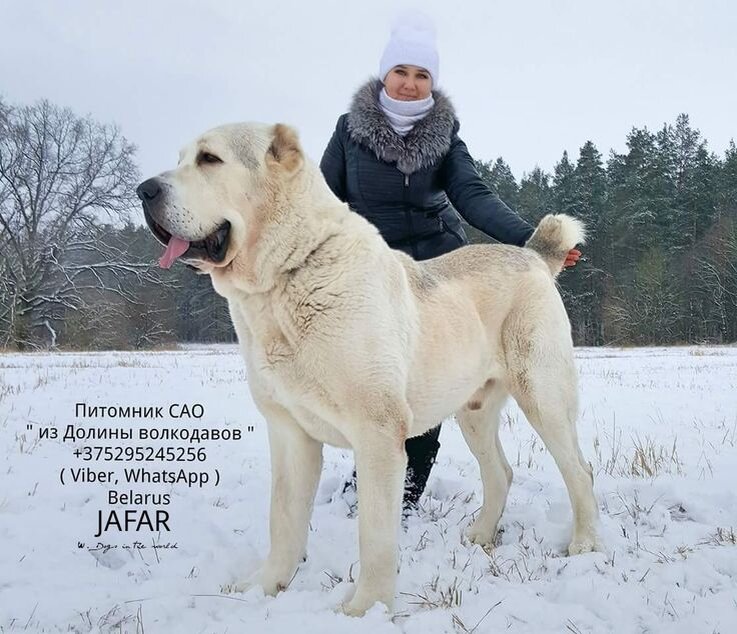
x: 412, y: 42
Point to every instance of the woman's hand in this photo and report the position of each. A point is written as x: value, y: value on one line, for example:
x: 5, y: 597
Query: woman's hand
x: 572, y: 258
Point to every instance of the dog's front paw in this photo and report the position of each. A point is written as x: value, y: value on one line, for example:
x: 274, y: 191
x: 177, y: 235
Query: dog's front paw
x: 482, y: 534
x: 350, y: 609
x: 579, y: 546
x: 361, y: 602
x: 269, y: 578
x: 232, y: 588
x: 356, y: 608
x: 273, y: 581
x: 480, y: 538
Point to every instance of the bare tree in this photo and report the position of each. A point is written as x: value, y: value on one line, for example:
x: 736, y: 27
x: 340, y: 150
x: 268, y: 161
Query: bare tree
x: 714, y: 277
x: 61, y: 178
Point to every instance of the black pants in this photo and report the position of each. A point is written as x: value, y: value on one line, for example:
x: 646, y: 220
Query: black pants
x: 421, y: 452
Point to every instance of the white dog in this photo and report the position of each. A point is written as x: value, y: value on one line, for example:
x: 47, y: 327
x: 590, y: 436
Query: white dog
x: 351, y: 343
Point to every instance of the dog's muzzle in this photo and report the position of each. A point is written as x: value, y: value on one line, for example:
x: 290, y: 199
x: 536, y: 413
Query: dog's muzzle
x: 211, y: 248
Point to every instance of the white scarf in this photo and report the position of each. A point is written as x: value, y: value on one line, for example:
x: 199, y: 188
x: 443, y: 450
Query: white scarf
x: 402, y: 115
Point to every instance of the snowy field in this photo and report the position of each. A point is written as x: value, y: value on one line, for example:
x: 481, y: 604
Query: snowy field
x: 659, y: 426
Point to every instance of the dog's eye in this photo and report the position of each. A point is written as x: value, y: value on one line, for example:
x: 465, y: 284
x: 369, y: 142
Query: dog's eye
x: 206, y: 157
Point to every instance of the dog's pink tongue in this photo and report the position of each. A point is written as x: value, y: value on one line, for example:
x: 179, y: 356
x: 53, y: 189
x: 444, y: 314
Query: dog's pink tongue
x: 174, y: 249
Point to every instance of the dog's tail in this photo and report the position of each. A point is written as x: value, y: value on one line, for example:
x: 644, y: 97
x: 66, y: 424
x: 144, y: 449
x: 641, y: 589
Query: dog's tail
x: 554, y: 237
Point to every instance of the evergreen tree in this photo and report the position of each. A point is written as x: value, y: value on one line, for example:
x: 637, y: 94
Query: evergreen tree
x: 535, y: 196
x: 590, y: 190
x: 638, y: 191
x: 504, y: 183
x: 587, y: 286
x: 727, y: 188
x: 564, y: 191
x: 499, y: 178
x: 696, y: 175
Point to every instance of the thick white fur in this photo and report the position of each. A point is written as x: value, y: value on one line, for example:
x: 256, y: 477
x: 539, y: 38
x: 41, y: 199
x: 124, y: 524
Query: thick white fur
x: 350, y: 343
x: 553, y: 237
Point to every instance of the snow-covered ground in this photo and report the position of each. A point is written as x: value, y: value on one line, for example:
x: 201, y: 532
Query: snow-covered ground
x: 659, y: 426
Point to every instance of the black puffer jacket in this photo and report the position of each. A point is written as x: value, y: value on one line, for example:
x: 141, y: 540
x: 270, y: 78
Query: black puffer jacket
x: 409, y: 186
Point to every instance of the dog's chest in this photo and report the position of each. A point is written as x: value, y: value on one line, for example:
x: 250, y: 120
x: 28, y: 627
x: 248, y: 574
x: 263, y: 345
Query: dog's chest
x: 273, y: 351
x: 286, y: 380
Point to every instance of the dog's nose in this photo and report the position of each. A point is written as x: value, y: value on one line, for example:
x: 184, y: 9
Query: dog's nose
x: 148, y: 189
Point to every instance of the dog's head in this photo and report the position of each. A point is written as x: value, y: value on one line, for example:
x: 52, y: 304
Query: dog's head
x: 204, y: 210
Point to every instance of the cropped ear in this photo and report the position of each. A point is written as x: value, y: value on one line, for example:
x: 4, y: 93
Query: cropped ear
x: 285, y: 150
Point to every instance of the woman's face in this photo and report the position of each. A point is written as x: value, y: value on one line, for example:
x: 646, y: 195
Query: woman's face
x: 408, y: 83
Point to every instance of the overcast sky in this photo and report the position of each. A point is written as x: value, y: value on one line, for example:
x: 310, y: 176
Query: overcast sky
x: 528, y: 79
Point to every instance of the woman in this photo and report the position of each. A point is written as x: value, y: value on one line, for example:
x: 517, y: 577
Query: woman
x: 396, y: 159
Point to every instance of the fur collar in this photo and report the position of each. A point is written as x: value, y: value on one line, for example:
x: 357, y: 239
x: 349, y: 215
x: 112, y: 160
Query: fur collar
x: 423, y: 145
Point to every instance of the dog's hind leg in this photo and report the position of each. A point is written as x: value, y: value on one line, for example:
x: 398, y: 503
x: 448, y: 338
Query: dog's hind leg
x: 543, y: 382
x: 296, y: 462
x: 479, y: 423
x: 381, y: 463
